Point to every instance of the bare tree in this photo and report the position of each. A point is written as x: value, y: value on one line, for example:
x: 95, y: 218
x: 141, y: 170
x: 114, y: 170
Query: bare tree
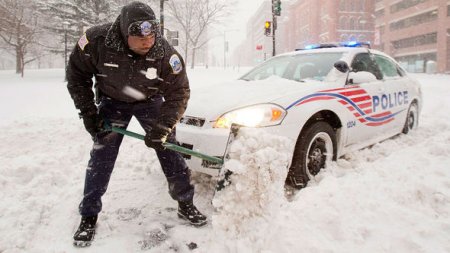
x: 194, y: 18
x: 18, y: 28
x: 74, y: 16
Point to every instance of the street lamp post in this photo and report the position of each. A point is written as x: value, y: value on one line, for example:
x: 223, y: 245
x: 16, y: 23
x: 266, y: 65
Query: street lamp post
x: 226, y: 46
x: 161, y: 15
x: 274, y: 28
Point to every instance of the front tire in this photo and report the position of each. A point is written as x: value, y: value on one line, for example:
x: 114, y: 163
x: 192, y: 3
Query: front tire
x: 315, y: 147
x: 412, y: 119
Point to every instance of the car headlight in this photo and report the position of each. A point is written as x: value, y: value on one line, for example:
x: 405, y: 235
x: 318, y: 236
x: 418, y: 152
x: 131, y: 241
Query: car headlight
x: 261, y: 115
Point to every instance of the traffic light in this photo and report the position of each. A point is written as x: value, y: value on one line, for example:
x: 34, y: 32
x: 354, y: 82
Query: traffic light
x: 267, y: 28
x: 277, y: 7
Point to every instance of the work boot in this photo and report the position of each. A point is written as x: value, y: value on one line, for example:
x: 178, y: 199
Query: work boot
x: 86, y: 231
x: 187, y: 211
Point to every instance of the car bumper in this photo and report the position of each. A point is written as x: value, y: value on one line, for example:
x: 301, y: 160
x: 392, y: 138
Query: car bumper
x: 209, y: 141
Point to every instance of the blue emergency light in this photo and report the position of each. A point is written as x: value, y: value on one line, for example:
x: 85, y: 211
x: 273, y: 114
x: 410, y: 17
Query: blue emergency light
x: 340, y: 44
x: 355, y: 44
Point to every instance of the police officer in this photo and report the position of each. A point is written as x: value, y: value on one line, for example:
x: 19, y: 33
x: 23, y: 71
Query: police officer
x: 138, y: 74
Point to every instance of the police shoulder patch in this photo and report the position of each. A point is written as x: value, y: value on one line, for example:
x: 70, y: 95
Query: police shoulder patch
x: 83, y: 41
x: 175, y: 63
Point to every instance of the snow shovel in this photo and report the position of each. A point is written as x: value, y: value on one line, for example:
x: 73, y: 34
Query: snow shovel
x: 167, y: 145
x: 223, y: 174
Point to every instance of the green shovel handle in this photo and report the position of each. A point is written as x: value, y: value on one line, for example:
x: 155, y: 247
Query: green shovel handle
x: 167, y: 145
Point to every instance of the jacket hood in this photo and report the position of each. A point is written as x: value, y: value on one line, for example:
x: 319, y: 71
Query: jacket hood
x: 116, y: 37
x: 132, y: 12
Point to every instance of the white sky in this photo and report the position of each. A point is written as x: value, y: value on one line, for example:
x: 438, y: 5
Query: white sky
x: 244, y: 10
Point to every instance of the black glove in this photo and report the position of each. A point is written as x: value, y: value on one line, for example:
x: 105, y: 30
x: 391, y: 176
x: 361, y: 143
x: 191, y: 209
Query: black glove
x: 93, y: 123
x: 157, y: 137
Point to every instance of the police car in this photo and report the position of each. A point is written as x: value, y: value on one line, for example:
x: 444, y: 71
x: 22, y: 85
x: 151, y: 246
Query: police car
x: 329, y: 98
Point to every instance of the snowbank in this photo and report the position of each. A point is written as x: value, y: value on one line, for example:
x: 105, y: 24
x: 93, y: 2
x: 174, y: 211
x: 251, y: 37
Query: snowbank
x: 392, y: 197
x: 259, y: 164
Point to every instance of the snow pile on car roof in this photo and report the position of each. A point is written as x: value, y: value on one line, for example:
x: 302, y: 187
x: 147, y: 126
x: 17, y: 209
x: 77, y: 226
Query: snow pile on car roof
x: 259, y: 162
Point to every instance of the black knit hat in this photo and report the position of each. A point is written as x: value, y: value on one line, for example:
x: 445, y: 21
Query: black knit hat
x: 132, y: 12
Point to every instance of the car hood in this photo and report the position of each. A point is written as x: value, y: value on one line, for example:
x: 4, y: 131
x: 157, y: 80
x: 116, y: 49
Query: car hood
x: 210, y: 102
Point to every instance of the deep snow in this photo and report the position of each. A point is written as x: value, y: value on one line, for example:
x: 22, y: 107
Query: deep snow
x: 392, y: 197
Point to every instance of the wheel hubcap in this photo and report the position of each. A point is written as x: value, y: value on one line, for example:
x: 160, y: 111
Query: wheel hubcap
x: 316, y: 161
x: 320, y: 151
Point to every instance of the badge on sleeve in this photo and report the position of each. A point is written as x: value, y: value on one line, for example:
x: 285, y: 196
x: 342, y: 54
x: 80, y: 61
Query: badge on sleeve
x: 83, y: 41
x: 175, y: 63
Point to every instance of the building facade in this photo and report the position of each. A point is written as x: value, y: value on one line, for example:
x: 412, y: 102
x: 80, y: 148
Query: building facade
x: 304, y: 22
x: 415, y: 32
x: 320, y: 21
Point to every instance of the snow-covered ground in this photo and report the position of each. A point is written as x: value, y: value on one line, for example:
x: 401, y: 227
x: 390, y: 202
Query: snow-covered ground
x: 392, y: 197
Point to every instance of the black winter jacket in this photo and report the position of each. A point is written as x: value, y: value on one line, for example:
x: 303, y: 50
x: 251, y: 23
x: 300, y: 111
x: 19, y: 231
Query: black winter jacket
x: 125, y: 76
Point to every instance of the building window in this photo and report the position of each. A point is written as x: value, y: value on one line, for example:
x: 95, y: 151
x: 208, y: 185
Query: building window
x: 415, y: 20
x: 448, y: 10
x: 415, y: 63
x: 342, y: 5
x: 361, y: 5
x: 349, y: 5
x: 353, y: 5
x: 425, y: 39
x: 352, y: 24
x: 405, y: 4
x: 343, y: 23
x: 361, y: 23
x: 379, y: 13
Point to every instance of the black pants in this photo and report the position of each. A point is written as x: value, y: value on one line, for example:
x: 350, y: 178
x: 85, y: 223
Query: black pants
x: 106, y: 148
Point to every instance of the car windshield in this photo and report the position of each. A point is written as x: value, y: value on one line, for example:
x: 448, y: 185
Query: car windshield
x: 298, y: 67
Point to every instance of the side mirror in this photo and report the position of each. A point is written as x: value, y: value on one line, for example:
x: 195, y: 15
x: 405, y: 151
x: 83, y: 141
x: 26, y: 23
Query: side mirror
x: 361, y: 77
x: 342, y: 66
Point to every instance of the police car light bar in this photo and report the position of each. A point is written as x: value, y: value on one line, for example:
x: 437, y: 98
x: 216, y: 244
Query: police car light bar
x: 340, y: 44
x: 355, y: 44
